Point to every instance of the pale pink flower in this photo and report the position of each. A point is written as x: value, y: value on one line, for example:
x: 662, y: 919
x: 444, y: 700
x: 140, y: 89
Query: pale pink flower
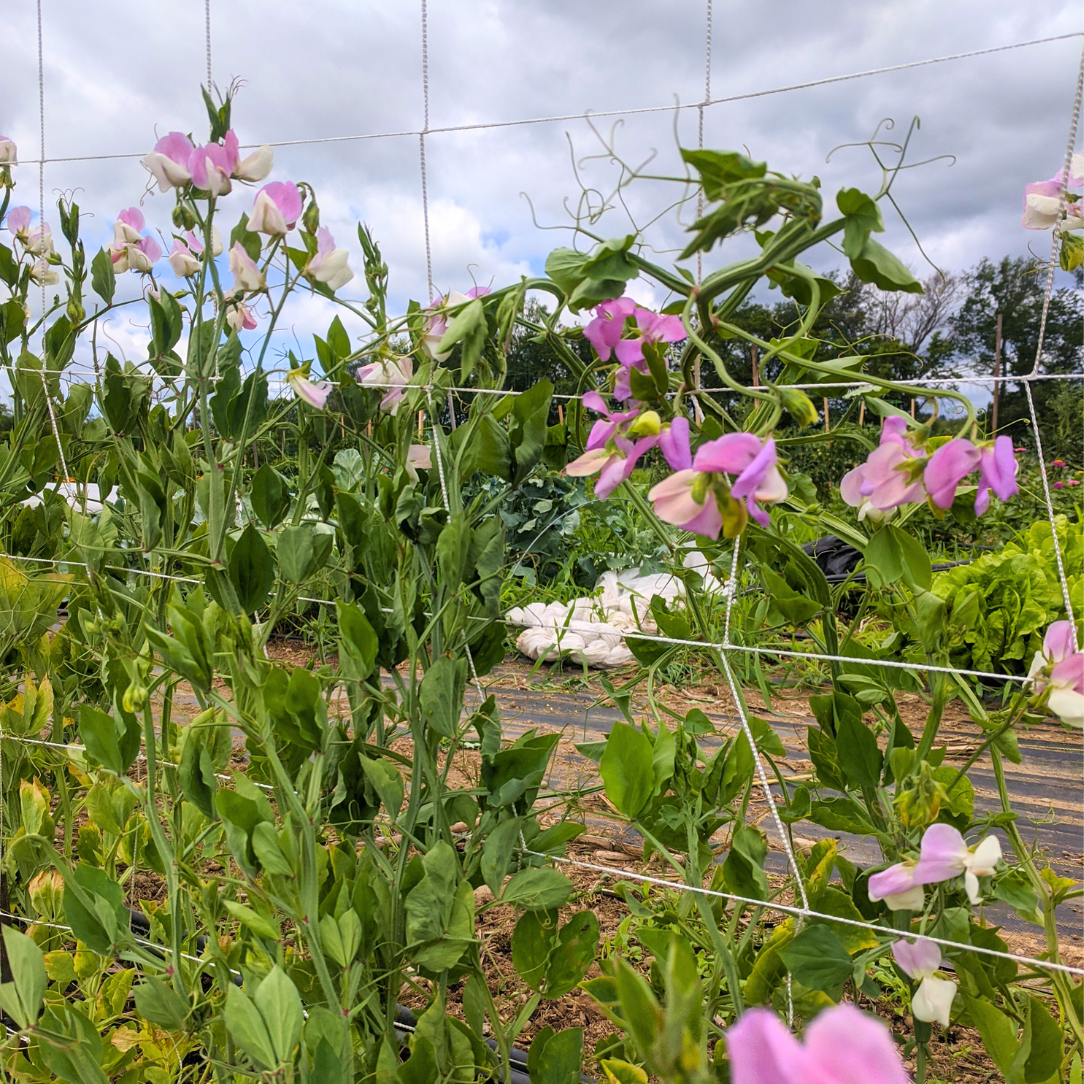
x: 888, y: 477
x: 276, y: 209
x: 391, y: 375
x: 308, y: 392
x: 211, y: 166
x: 944, y: 854
x: 1058, y: 670
x: 9, y: 153
x: 130, y: 250
x: 329, y: 264
x: 168, y: 162
x: 246, y: 275
x: 183, y: 260
x: 195, y: 243
x: 843, y: 1045
x: 999, y: 468
x: 919, y: 960
x: 896, y: 886
x: 128, y: 228
x: 1042, y: 200
x: 438, y: 322
x: 44, y: 273
x: 238, y: 315
x: 256, y: 166
x: 18, y: 223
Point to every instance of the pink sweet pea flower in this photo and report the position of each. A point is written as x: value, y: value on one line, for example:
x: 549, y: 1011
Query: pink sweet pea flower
x: 886, y: 479
x: 168, y: 163
x: 196, y: 243
x: 308, y: 392
x: 896, y: 886
x: 144, y: 254
x: 238, y: 315
x: 675, y: 501
x: 998, y: 466
x: 130, y: 250
x: 246, y: 275
x: 329, y: 264
x: 613, y: 463
x: 1058, y: 670
x: 674, y: 444
x: 944, y: 854
x: 604, y: 332
x: 256, y: 166
x: 128, y: 228
x: 919, y: 960
x: 947, y: 468
x: 276, y: 209
x: 9, y: 153
x: 653, y: 328
x: 843, y: 1045
x: 392, y: 375
x: 1042, y: 200
x: 212, y: 165
x: 18, y: 223
x: 438, y: 322
x: 183, y: 260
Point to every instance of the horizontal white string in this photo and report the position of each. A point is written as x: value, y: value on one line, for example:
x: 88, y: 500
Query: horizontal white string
x: 805, y: 912
x: 558, y: 118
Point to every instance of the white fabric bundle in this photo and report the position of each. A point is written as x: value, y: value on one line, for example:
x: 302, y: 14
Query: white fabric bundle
x: 591, y: 630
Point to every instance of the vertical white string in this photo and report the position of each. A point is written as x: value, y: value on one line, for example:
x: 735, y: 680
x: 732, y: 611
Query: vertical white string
x: 421, y: 147
x: 42, y: 245
x: 700, y: 126
x: 1062, y: 201
x: 207, y: 37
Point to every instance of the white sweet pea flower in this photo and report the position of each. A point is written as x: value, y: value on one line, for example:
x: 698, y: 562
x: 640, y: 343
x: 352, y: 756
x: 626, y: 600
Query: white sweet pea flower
x: 945, y: 854
x: 9, y: 153
x: 329, y: 264
x: 246, y: 275
x: 392, y: 375
x: 256, y: 166
x: 438, y: 323
x: 44, y: 274
x: 932, y: 1001
x: 313, y: 394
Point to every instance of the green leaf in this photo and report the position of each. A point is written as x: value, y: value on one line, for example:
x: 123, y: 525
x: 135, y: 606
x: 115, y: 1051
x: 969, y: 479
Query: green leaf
x: 896, y: 554
x: 537, y: 889
x: 863, y: 217
x: 998, y: 1034
x: 795, y: 608
x: 824, y: 754
x: 252, y: 570
x: 528, y: 428
x: 497, y: 853
x: 279, y: 1004
x: 743, y: 869
x: 102, y: 276
x: 257, y: 923
x: 627, y: 769
x: 877, y: 265
x: 246, y: 1026
x: 358, y: 640
x: 101, y: 922
x: 859, y: 755
x: 818, y: 961
x: 573, y: 954
x: 559, y: 1059
x: 295, y: 555
x: 199, y: 782
x: 718, y: 169
x: 103, y: 741
x: 841, y: 815
x: 441, y: 696
x: 160, y: 1004
x: 270, y: 496
x: 21, y: 998
x: 387, y: 783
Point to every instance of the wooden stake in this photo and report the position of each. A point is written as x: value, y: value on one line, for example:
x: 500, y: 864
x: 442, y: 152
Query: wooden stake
x: 560, y: 414
x: 913, y: 409
x: 756, y: 371
x: 827, y: 422
x: 861, y: 414
x: 997, y: 373
x: 421, y: 421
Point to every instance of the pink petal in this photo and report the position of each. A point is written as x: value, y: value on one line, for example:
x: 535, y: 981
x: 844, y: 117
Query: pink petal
x: 1069, y: 672
x: 850, y: 487
x: 601, y: 432
x: 591, y: 462
x: 729, y: 454
x: 674, y: 444
x: 151, y: 249
x: 762, y: 1051
x: 894, y: 430
x: 176, y: 146
x: 287, y: 198
x: 917, y: 957
x: 941, y: 856
x: 593, y: 401
x: 132, y: 216
x: 844, y: 1045
x: 947, y: 467
x: 893, y: 881
x: 1060, y: 641
x: 232, y: 151
x: 631, y: 352
x: 748, y: 482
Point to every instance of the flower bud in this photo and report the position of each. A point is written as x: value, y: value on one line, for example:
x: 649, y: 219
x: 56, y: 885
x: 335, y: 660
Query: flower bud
x: 183, y: 216
x: 648, y: 424
x: 310, y: 220
x: 798, y: 405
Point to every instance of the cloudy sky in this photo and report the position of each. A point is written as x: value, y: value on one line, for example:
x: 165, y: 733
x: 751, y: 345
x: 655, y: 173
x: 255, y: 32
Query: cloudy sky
x: 352, y: 67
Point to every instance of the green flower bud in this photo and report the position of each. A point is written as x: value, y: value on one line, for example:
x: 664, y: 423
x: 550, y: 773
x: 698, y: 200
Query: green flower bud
x: 647, y: 424
x: 799, y: 406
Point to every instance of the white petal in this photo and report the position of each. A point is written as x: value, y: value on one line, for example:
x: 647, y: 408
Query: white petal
x: 932, y: 1001
x: 913, y: 899
x: 971, y: 886
x: 985, y: 857
x: 1067, y: 705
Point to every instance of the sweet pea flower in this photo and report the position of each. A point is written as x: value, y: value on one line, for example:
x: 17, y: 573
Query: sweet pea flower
x: 211, y: 166
x: 256, y: 166
x: 420, y: 456
x: 609, y: 451
x: 9, y: 153
x: 998, y: 466
x: 438, y: 322
x: 308, y: 392
x: 889, y: 477
x: 392, y: 375
x: 944, y: 854
x: 168, y: 163
x: 919, y: 960
x: 652, y: 328
x: 183, y: 260
x: 1058, y: 671
x: 329, y: 264
x: 605, y: 330
x: 130, y: 250
x: 688, y: 499
x: 18, y: 223
x: 276, y: 209
x: 44, y: 273
x: 196, y: 243
x: 1042, y: 200
x: 238, y: 315
x: 947, y: 468
x: 843, y: 1045
x: 896, y: 886
x: 246, y: 275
